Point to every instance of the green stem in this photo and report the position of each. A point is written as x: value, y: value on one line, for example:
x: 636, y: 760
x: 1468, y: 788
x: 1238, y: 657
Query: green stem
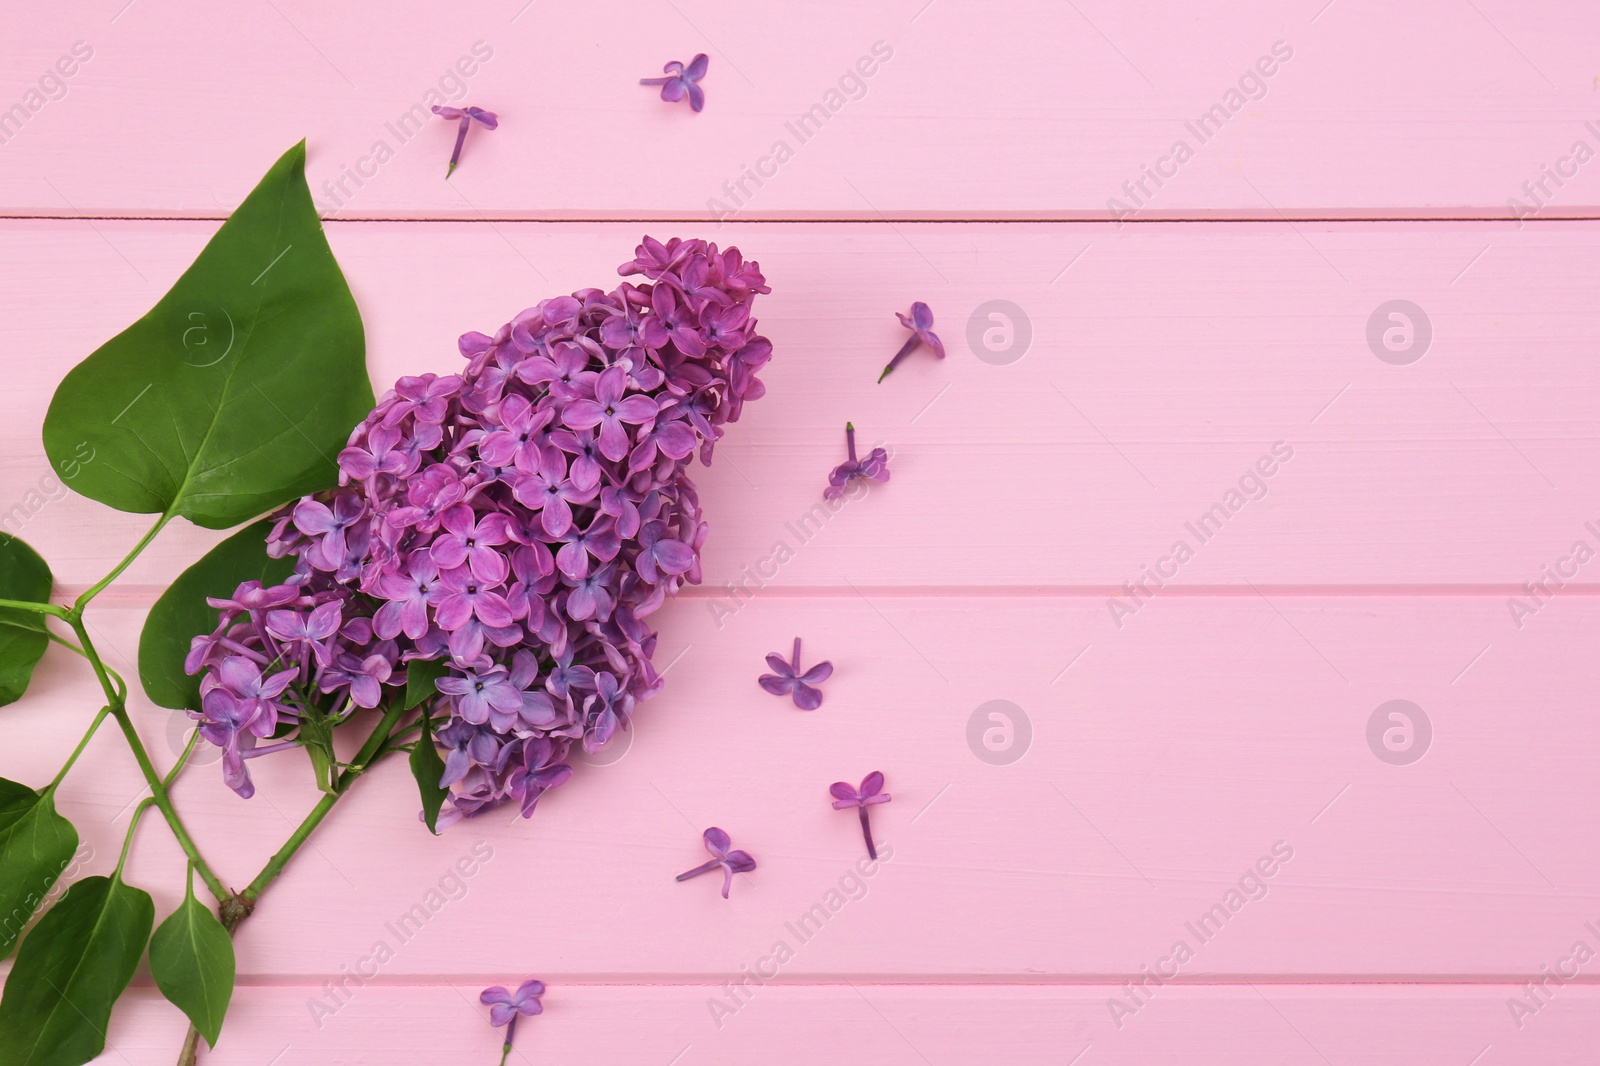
x: 269, y: 873
x: 372, y: 750
x: 116, y: 678
x: 372, y: 747
x: 84, y: 743
x: 116, y: 572
x: 133, y: 827
x: 158, y: 790
x: 183, y: 759
x: 37, y: 608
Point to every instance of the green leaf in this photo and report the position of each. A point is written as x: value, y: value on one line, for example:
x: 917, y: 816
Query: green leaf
x: 13, y: 792
x: 237, y: 390
x: 421, y: 678
x: 181, y: 613
x: 428, y: 768
x: 36, y: 844
x: 23, y: 576
x: 69, y: 973
x: 191, y: 959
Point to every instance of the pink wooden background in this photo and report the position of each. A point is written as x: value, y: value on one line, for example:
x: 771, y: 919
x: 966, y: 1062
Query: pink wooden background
x: 1439, y: 152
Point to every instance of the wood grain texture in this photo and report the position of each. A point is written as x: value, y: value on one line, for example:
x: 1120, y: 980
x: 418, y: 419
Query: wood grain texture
x: 1027, y: 109
x: 1158, y: 768
x: 1187, y: 720
x: 893, y: 1025
x: 1164, y: 365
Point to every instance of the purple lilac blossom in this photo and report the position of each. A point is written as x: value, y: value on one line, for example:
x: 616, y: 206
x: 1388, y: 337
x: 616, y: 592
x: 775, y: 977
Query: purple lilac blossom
x: 787, y: 679
x: 505, y: 1007
x: 682, y: 81
x: 519, y: 520
x: 871, y: 793
x: 920, y: 323
x: 465, y: 116
x: 731, y: 861
x: 874, y: 467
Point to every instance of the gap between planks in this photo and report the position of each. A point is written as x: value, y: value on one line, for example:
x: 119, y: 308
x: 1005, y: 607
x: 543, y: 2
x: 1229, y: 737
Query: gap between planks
x: 1020, y: 980
x: 1153, y: 219
x: 145, y: 595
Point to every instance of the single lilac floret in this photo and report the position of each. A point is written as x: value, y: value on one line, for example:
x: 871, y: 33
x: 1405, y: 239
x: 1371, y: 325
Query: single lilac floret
x: 875, y: 467
x: 682, y: 81
x: 466, y: 116
x: 920, y: 323
x: 506, y: 1007
x: 787, y: 680
x: 846, y: 796
x: 732, y: 862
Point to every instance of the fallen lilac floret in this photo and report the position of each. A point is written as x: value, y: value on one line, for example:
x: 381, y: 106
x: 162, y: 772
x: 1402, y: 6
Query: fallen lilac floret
x: 875, y: 467
x: 731, y: 862
x: 788, y: 680
x: 871, y: 793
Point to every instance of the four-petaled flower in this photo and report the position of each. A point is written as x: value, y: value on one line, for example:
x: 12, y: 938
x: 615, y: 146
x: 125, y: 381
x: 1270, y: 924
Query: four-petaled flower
x: 611, y: 412
x: 788, y: 680
x: 682, y: 81
x: 505, y: 1007
x: 327, y: 527
x: 478, y: 695
x: 874, y: 467
x: 472, y: 540
x: 871, y: 792
x: 465, y: 115
x: 920, y: 323
x: 732, y: 862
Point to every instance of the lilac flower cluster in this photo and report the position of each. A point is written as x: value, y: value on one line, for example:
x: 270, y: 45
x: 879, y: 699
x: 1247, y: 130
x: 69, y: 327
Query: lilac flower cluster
x: 519, y: 521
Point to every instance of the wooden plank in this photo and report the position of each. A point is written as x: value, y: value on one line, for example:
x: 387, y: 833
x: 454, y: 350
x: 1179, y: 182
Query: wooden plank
x: 1465, y: 468
x: 895, y: 1025
x: 1035, y: 109
x: 1165, y: 766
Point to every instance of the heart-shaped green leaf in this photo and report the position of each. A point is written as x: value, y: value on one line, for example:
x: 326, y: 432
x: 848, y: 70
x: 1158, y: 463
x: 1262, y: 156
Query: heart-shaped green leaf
x: 23, y: 576
x: 69, y: 973
x: 181, y: 613
x: 36, y: 844
x: 237, y: 390
x: 191, y: 959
